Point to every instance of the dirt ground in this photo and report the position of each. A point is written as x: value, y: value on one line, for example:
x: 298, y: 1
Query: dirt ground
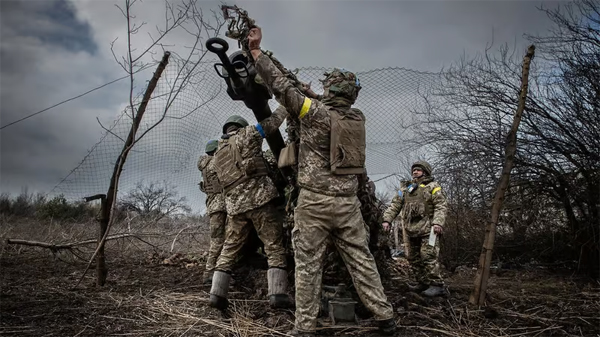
x: 157, y: 294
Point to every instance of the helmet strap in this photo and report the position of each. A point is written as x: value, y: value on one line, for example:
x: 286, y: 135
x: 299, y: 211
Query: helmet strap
x: 232, y: 128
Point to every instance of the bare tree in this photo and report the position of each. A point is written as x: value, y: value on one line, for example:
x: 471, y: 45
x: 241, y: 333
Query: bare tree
x: 468, y: 116
x: 185, y: 18
x: 567, y: 123
x: 154, y: 201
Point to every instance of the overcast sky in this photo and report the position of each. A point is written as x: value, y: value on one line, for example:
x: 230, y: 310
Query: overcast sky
x: 52, y: 50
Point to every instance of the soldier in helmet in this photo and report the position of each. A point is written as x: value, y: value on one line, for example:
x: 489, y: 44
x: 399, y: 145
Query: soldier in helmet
x: 331, y: 155
x: 250, y: 196
x: 422, y: 206
x: 215, y: 207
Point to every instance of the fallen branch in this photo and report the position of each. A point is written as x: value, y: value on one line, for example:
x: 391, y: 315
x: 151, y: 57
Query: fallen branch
x: 444, y: 332
x: 56, y: 247
x: 177, y: 235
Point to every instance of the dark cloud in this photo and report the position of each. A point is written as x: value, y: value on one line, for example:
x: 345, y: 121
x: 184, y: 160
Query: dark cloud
x: 52, y: 50
x: 362, y: 35
x: 53, y: 22
x: 46, y: 56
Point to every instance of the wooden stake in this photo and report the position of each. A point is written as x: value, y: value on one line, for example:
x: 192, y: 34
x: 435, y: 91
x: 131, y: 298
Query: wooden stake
x: 485, y: 259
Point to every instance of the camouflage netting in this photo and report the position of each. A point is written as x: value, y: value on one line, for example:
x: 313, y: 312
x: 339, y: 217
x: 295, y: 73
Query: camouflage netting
x: 170, y: 150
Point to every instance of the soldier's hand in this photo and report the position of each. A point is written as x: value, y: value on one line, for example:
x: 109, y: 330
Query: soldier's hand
x: 305, y: 86
x: 308, y: 91
x: 254, y: 38
x: 386, y: 226
x: 437, y: 229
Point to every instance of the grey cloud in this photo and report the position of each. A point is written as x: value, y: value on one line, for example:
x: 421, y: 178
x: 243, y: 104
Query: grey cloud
x: 362, y: 35
x: 41, y: 64
x: 51, y: 21
x: 355, y: 35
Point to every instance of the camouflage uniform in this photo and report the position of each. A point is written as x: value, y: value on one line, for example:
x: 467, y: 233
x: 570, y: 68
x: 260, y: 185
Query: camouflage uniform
x: 252, y: 199
x: 215, y: 208
x: 419, y: 211
x: 372, y: 213
x: 327, y: 206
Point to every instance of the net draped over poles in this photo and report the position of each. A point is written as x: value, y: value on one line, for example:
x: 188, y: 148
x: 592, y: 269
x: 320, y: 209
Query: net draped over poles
x: 169, y: 152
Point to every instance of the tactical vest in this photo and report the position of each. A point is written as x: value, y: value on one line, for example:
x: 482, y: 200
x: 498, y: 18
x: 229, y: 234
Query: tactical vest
x: 417, y: 205
x: 232, y: 169
x: 210, y: 183
x: 348, y: 142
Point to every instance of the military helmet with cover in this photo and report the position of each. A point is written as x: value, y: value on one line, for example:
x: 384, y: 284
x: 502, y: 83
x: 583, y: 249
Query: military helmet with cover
x: 236, y: 120
x: 211, y: 146
x: 341, y: 83
x: 423, y: 165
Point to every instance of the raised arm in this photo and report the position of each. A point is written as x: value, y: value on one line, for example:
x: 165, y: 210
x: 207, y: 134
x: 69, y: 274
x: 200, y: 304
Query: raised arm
x: 296, y: 103
x: 271, y: 124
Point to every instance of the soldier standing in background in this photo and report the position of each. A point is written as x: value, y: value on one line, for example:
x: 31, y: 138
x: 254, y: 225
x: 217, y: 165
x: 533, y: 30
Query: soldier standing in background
x: 328, y: 207
x: 422, y: 206
x: 250, y: 196
x: 215, y: 208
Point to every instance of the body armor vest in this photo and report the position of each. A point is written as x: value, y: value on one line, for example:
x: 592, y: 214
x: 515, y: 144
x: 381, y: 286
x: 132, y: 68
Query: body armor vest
x: 210, y: 181
x: 232, y: 169
x: 417, y: 205
x: 348, y: 142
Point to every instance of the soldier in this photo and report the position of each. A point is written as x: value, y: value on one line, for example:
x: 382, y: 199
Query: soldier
x: 331, y: 155
x: 421, y: 205
x: 215, y: 207
x: 250, y: 196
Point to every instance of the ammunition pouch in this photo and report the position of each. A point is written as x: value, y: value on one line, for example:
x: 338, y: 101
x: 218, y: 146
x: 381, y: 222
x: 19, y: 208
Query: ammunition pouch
x: 288, y: 156
x: 211, y: 185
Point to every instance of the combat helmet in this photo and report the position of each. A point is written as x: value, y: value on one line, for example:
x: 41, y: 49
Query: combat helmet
x: 423, y: 165
x: 341, y: 83
x: 211, y: 146
x: 235, y: 119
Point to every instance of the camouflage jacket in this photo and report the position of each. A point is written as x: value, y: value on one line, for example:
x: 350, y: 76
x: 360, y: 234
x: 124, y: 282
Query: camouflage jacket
x: 258, y: 191
x: 419, y: 210
x: 214, y: 202
x: 315, y: 126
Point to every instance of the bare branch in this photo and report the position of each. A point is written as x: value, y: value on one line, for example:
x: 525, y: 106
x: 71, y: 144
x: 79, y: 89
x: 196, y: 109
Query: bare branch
x: 109, y: 131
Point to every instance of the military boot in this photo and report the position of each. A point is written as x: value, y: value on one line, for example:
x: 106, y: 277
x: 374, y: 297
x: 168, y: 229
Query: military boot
x: 219, y: 290
x: 434, y: 291
x: 277, y: 283
x: 387, y: 327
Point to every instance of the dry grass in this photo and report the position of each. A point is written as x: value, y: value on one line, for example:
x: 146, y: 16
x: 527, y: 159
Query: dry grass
x: 154, y: 289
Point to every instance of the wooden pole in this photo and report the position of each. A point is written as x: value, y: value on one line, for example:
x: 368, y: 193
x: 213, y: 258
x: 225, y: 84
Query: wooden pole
x: 483, y: 271
x: 101, y: 269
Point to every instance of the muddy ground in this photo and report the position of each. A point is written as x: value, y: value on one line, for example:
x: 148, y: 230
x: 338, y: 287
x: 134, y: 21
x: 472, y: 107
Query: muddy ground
x: 148, y: 294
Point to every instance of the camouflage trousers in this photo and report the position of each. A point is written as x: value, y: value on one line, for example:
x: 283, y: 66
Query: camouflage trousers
x: 423, y: 260
x: 218, y: 222
x: 318, y: 219
x: 269, y: 229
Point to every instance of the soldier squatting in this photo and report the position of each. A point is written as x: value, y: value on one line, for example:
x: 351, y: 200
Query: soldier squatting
x: 327, y: 153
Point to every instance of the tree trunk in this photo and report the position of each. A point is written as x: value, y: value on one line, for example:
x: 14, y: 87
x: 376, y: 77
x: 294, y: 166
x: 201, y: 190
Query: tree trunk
x: 109, y: 202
